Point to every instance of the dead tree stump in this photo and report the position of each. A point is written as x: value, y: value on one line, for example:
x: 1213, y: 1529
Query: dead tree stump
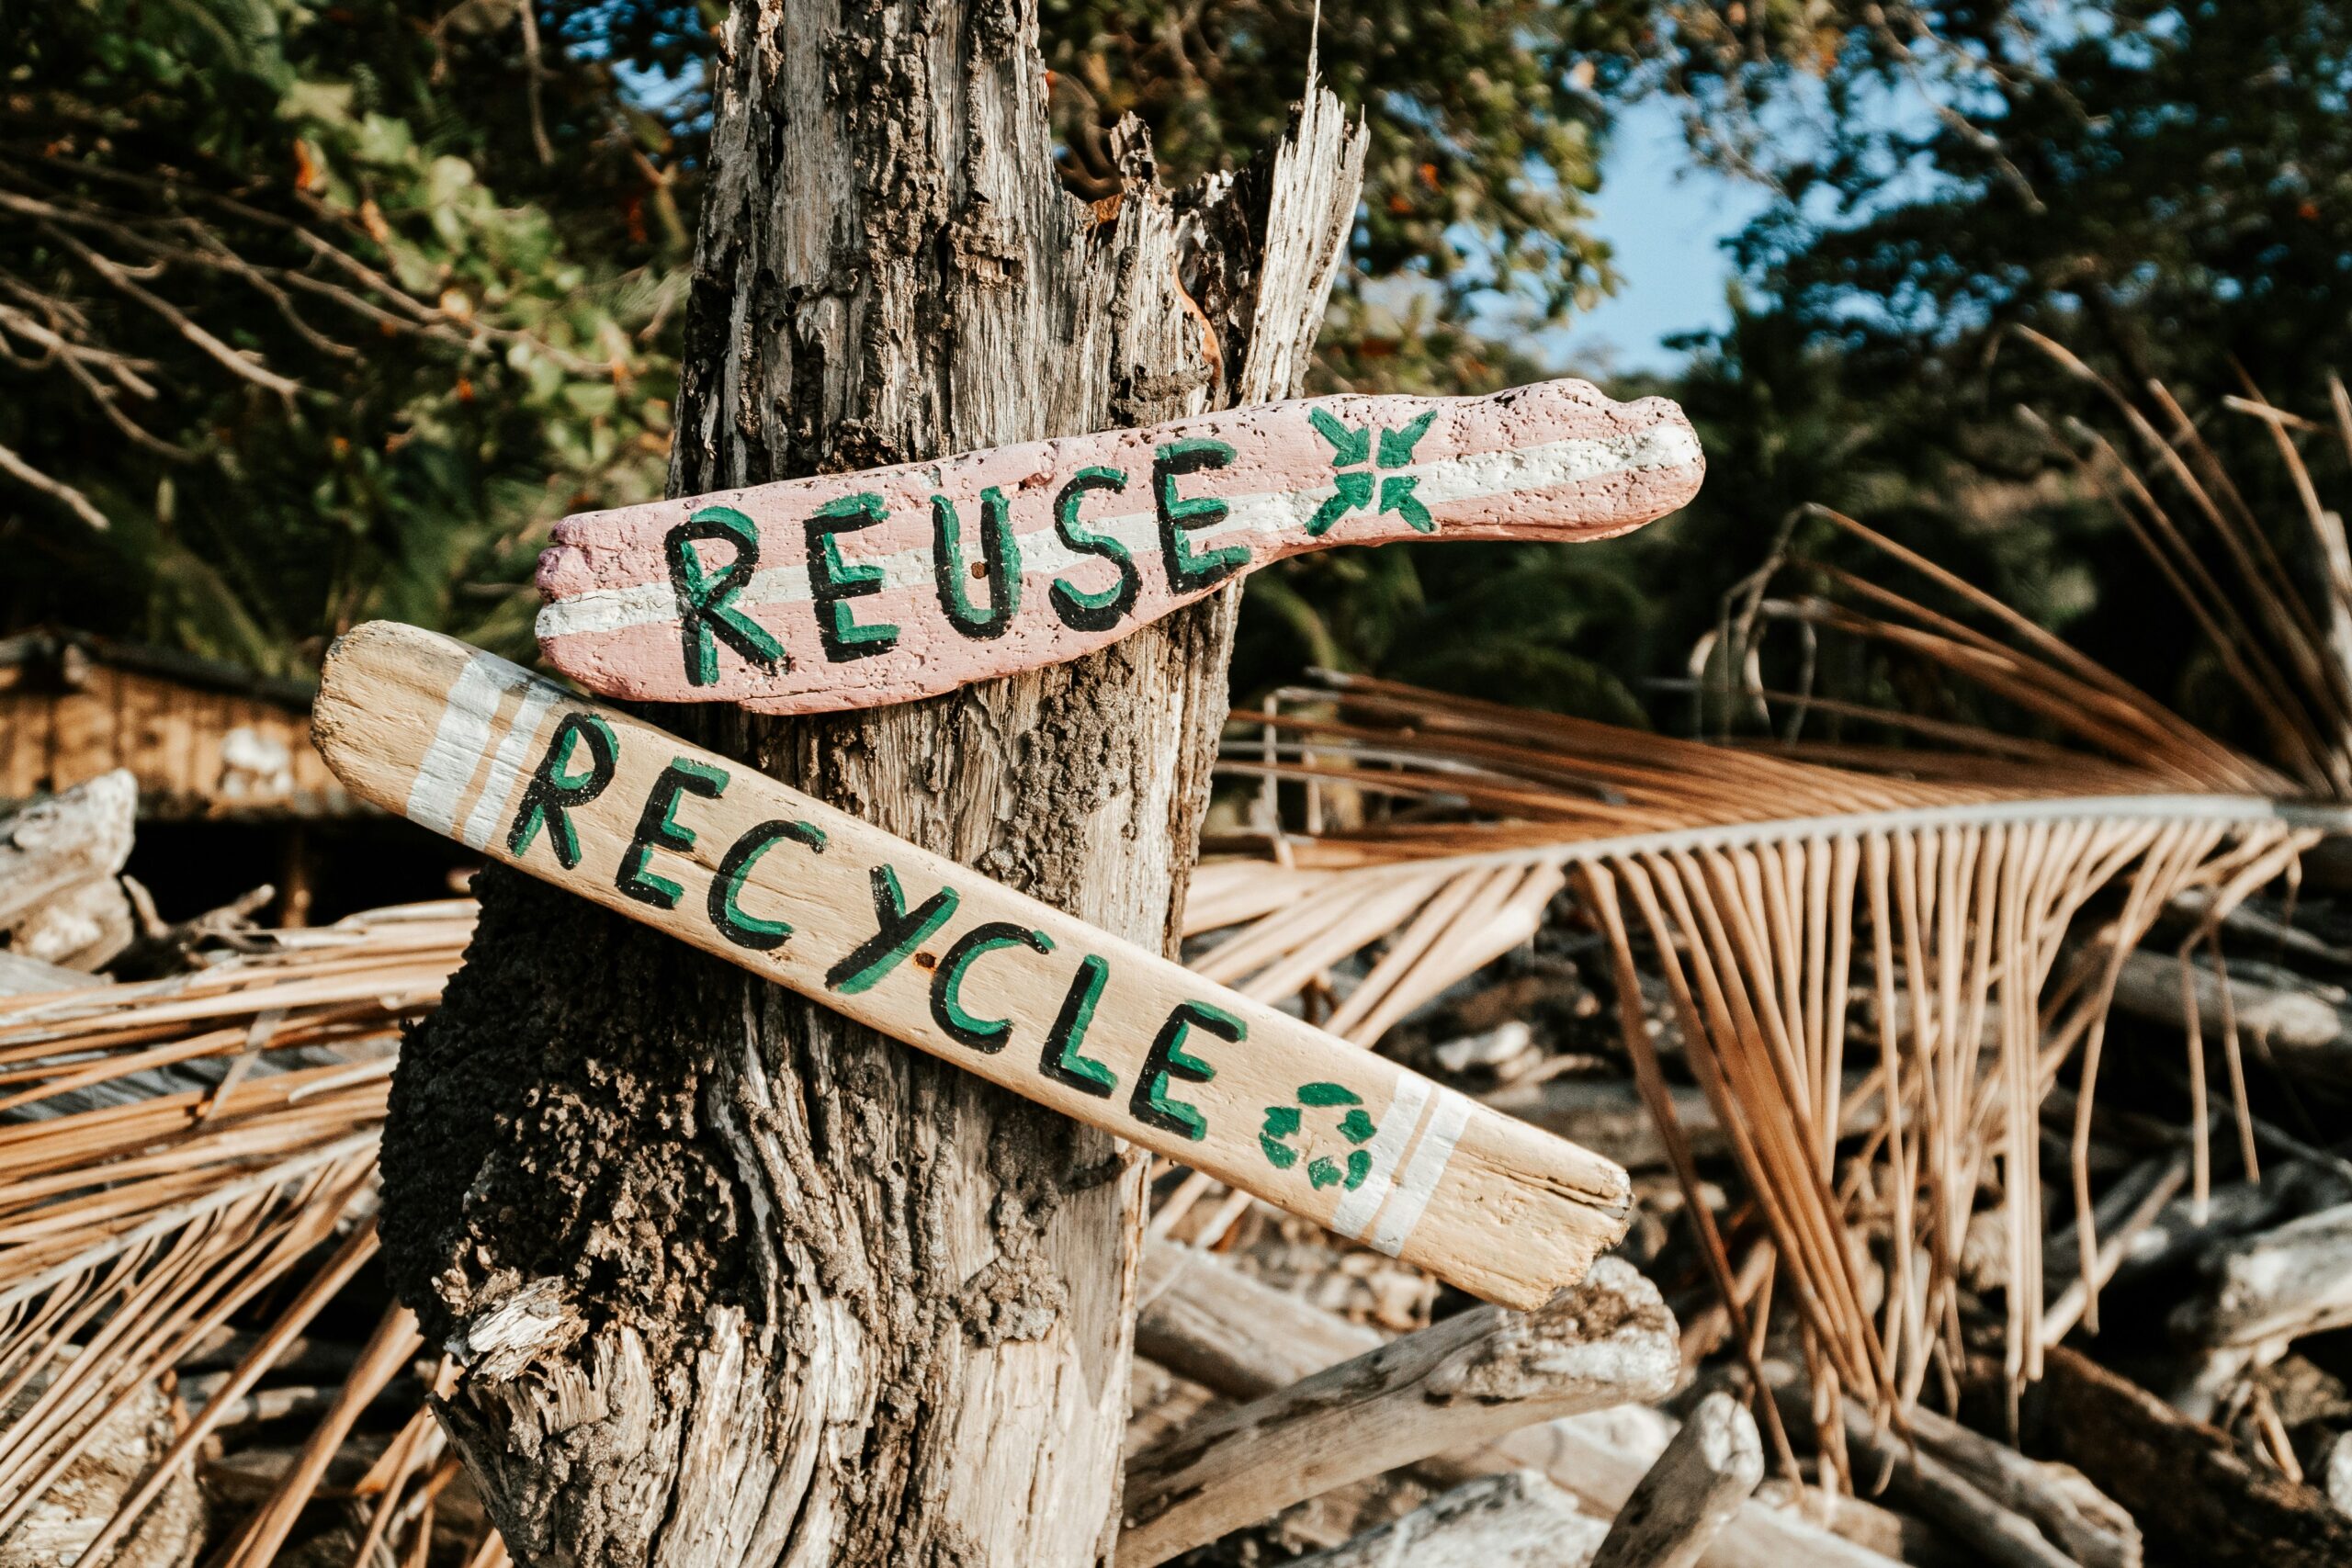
x: 798, y: 1293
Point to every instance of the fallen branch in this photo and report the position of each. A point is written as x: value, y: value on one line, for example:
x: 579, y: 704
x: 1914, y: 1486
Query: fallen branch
x: 1204, y: 1320
x: 1692, y: 1491
x: 1607, y: 1340
x: 2299, y: 1027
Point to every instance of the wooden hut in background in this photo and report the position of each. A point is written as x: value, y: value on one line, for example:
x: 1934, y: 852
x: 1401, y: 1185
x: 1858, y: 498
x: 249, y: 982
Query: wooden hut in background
x: 208, y: 743
x: 203, y: 740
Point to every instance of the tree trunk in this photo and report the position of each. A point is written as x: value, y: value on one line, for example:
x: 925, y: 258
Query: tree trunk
x: 794, y: 1292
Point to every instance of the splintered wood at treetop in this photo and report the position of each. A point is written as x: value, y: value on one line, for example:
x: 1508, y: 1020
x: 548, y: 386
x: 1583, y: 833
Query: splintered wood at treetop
x: 850, y: 590
x: 937, y: 956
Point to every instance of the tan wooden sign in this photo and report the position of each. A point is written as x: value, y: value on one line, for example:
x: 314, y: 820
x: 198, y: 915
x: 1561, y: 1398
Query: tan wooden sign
x: 937, y: 956
x: 850, y: 590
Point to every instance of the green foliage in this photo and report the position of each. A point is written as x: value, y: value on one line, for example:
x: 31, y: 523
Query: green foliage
x: 292, y: 300
x: 2167, y: 192
x: 2161, y: 186
x: 1485, y: 129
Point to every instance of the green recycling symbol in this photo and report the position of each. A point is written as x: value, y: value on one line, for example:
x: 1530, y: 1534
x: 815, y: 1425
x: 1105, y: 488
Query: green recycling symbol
x: 1354, y: 484
x: 1284, y: 1120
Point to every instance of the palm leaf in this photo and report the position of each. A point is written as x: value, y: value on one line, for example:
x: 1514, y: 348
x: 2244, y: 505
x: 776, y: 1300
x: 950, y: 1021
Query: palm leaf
x: 171, y: 1152
x: 1978, y: 889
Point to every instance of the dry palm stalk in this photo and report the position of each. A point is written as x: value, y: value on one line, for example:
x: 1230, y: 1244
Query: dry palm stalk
x: 169, y: 1151
x: 1951, y: 881
x: 1785, y: 888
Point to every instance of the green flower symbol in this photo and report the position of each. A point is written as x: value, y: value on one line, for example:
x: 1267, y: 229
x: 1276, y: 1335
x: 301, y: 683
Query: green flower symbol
x: 1283, y: 1122
x: 1351, y: 454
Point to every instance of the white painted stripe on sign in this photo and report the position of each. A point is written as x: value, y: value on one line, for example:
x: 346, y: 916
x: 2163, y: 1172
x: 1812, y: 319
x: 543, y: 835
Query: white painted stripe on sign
x: 1482, y: 476
x: 1356, y: 1209
x: 459, y: 741
x: 482, y: 821
x: 1423, y: 1173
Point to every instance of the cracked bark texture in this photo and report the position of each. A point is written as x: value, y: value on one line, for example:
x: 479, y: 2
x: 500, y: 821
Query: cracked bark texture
x: 735, y: 1281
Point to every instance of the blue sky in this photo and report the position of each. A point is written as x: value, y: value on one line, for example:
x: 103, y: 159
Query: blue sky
x: 1666, y: 219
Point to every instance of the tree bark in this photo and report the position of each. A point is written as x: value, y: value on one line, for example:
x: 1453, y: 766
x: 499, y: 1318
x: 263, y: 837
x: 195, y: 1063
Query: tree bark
x: 798, y: 1293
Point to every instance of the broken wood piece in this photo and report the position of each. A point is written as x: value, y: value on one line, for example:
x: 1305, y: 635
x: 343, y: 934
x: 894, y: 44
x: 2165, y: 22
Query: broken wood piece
x: 2274, y: 1286
x: 61, y: 899
x: 2077, y: 1518
x: 1692, y: 1491
x: 1609, y: 1340
x: 82, y: 927
x: 1517, y: 1519
x: 941, y: 957
x: 847, y: 591
x: 2300, y: 1028
x: 2193, y: 1497
x: 1206, y: 1321
x: 1993, y: 1533
x: 78, y: 836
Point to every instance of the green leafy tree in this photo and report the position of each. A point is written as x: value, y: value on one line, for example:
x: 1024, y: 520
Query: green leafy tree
x: 2167, y: 192
x: 311, y: 312
x: 2162, y: 189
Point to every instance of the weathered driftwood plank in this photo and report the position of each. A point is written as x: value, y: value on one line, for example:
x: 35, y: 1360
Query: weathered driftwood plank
x: 937, y: 956
x: 1469, y: 1379
x: 1517, y: 1519
x: 2079, y: 1519
x: 1228, y: 1332
x: 1694, y: 1490
x: 850, y: 590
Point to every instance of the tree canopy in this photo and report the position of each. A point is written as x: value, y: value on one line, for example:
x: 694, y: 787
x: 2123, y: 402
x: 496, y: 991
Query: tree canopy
x: 315, y: 312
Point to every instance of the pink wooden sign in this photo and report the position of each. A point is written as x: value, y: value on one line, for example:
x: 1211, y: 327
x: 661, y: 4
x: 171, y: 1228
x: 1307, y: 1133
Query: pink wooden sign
x: 852, y: 590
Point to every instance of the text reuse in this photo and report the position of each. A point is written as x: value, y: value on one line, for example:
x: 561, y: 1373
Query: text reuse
x: 852, y: 590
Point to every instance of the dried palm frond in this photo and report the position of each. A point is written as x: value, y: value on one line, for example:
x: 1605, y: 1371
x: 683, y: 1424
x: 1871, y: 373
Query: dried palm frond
x: 170, y: 1152
x: 1979, y: 889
